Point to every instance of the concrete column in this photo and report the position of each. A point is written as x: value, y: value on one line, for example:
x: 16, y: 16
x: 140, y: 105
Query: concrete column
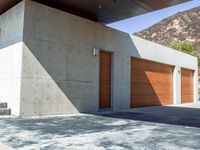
x: 195, y: 81
x: 177, y: 85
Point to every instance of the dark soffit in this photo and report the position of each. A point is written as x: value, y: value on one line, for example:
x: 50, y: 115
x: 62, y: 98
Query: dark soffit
x: 102, y: 11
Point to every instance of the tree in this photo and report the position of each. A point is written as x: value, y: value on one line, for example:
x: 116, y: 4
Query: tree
x: 175, y: 45
x: 198, y: 60
x: 183, y: 46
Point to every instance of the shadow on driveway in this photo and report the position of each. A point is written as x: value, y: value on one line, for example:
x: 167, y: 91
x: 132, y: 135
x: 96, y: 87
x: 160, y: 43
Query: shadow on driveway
x: 183, y: 116
x: 142, y: 128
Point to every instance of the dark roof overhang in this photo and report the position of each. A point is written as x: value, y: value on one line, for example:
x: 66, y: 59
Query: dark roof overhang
x: 102, y: 11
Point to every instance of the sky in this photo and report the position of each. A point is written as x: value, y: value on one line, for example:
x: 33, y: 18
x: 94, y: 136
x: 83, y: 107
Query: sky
x: 138, y: 23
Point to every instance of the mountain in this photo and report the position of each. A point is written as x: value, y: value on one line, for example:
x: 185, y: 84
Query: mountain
x: 181, y: 26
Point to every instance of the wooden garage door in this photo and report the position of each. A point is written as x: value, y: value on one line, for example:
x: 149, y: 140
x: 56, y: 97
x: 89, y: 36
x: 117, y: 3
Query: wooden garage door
x: 186, y: 85
x: 105, y: 79
x: 151, y: 83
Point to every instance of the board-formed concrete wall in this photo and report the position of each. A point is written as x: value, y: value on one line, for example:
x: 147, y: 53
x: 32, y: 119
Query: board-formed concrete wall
x: 11, y: 35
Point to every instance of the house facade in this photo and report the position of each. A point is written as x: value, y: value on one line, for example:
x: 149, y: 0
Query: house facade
x: 53, y: 62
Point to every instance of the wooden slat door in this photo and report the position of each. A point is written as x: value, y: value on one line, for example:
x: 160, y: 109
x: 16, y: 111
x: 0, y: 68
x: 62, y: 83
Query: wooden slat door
x: 151, y: 83
x: 105, y: 79
x: 186, y: 85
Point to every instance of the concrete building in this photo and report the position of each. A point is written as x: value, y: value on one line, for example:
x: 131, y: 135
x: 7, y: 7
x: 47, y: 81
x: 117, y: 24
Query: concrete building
x: 55, y: 62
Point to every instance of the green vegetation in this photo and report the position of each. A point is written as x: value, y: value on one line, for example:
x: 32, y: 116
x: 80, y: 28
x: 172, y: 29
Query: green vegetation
x: 183, y: 46
x: 198, y: 57
x: 175, y: 45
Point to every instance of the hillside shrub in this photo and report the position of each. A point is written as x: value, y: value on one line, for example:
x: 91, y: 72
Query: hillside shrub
x: 183, y: 46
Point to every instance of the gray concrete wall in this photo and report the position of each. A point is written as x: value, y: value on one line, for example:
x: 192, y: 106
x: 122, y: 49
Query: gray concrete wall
x: 59, y: 72
x: 11, y: 25
x: 64, y: 72
x: 11, y: 35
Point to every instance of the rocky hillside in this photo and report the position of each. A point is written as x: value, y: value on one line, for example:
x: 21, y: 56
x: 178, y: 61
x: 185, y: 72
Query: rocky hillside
x: 181, y: 26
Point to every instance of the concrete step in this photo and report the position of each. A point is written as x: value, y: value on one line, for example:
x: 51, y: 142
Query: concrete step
x: 5, y: 111
x: 3, y: 105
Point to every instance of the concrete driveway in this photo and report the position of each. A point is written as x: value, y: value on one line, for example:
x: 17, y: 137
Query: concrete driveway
x: 154, y: 128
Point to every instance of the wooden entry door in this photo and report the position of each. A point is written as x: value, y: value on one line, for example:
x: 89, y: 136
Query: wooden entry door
x: 186, y: 85
x: 151, y: 83
x: 105, y: 80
